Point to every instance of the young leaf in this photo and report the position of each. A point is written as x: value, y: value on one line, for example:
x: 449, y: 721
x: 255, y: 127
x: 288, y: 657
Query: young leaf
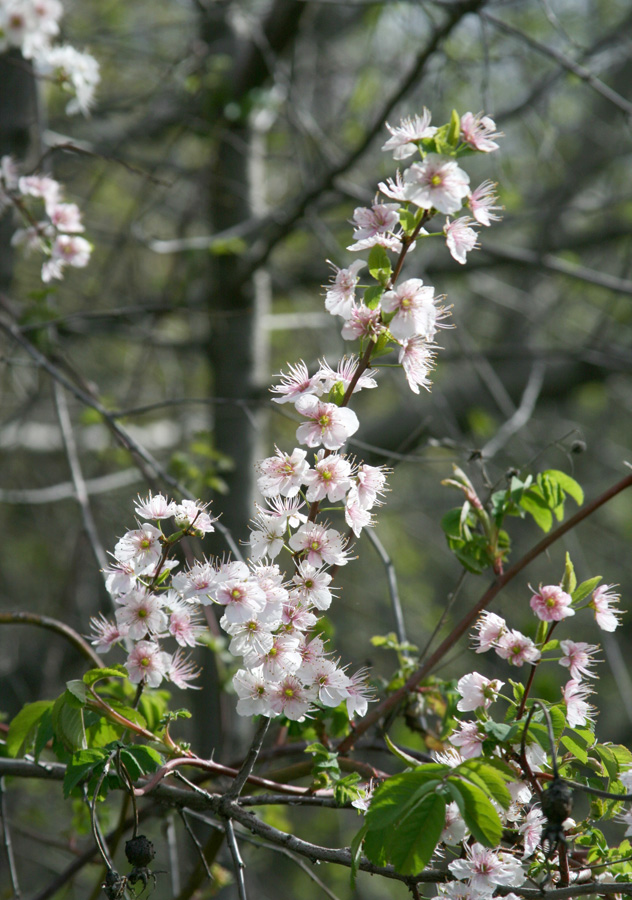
x: 94, y: 675
x: 488, y: 779
x: 395, y: 796
x: 567, y: 484
x: 537, y: 508
x: 81, y: 766
x: 401, y: 754
x: 585, y: 588
x: 379, y: 264
x: 356, y: 852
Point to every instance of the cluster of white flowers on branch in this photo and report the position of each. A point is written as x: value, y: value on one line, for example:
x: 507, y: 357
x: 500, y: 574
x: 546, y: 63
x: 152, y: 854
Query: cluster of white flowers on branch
x: 58, y: 234
x: 31, y: 26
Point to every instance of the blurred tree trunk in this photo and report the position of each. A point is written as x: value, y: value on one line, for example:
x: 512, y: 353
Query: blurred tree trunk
x: 19, y: 134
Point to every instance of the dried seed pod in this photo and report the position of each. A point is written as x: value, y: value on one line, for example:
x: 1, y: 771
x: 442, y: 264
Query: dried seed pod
x: 139, y: 851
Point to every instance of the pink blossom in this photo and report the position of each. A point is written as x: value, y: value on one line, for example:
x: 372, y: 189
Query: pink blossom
x: 291, y: 698
x: 321, y: 545
x: 283, y: 657
x: 370, y: 483
x: 296, y: 384
x: 602, y: 599
x: 328, y: 424
x: 147, y: 663
x: 517, y: 649
x: 414, y: 308
x: 344, y: 374
x: 311, y: 585
x: 242, y: 599
x: 437, y: 183
x: 105, y: 633
x: 477, y: 691
x: 460, y: 238
x: 405, y: 135
x: 154, y: 506
x: 375, y: 226
x: 182, y: 670
x: 358, y: 694
x: 482, y: 203
x: 191, y: 514
x: 484, y: 869
x: 356, y: 516
x: 396, y: 190
x: 142, y: 548
x: 267, y: 537
x: 578, y: 658
x: 469, y: 738
x: 363, y: 801
x: 141, y: 613
x: 184, y: 624
x: 362, y: 323
x: 198, y: 583
x: 330, y: 682
x: 478, y: 131
x: 41, y: 186
x: 490, y: 629
x: 340, y: 296
x: 531, y: 829
x: 283, y: 473
x: 578, y: 711
x: 417, y: 360
x: 253, y: 690
x: 65, y: 217
x: 251, y: 639
x: 551, y: 604
x: 297, y: 616
x: 330, y: 478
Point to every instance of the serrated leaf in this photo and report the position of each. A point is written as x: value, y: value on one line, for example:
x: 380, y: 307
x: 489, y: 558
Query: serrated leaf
x: 478, y: 813
x: 78, y: 689
x: 609, y: 760
x: 586, y: 588
x: 397, y: 794
x: 379, y: 264
x: 413, y: 841
x: 24, y: 725
x: 488, y: 779
x: 501, y: 731
x: 567, y: 484
x: 576, y: 747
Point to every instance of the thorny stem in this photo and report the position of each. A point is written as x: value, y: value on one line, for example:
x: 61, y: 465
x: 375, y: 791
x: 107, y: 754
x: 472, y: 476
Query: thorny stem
x: 468, y: 620
x: 250, y: 760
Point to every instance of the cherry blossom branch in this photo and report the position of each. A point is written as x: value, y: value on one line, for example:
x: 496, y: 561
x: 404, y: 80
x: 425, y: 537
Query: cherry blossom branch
x: 468, y: 620
x: 250, y: 760
x: 28, y: 618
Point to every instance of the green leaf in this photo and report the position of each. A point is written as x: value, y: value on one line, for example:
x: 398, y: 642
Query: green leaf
x: 569, y: 581
x: 356, y: 852
x: 375, y: 842
x: 408, y: 220
x: 586, y: 588
x: 537, y: 508
x: 476, y: 808
x: 82, y: 766
x: 372, y: 296
x: 345, y: 788
x: 576, y: 745
x: 488, y: 779
x: 501, y: 731
x: 24, y: 725
x: 413, y: 841
x: 568, y: 484
x: 380, y: 264
x: 78, y: 690
x: 68, y: 723
x: 94, y: 675
x: 609, y: 760
x: 395, y: 796
x: 454, y: 130
x: 147, y: 758
x: 401, y: 754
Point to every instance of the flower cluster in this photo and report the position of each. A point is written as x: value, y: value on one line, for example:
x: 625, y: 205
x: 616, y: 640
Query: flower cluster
x: 149, y: 608
x: 58, y: 234
x: 31, y: 26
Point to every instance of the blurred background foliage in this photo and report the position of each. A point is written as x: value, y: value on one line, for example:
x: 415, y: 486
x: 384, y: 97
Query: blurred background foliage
x: 231, y: 142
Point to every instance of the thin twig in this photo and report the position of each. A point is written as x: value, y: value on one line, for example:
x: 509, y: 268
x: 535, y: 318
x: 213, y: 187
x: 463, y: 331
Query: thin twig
x: 240, y: 866
x: 250, y: 760
x: 81, y: 491
x: 391, y: 580
x: 192, y: 835
x: 8, y: 846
